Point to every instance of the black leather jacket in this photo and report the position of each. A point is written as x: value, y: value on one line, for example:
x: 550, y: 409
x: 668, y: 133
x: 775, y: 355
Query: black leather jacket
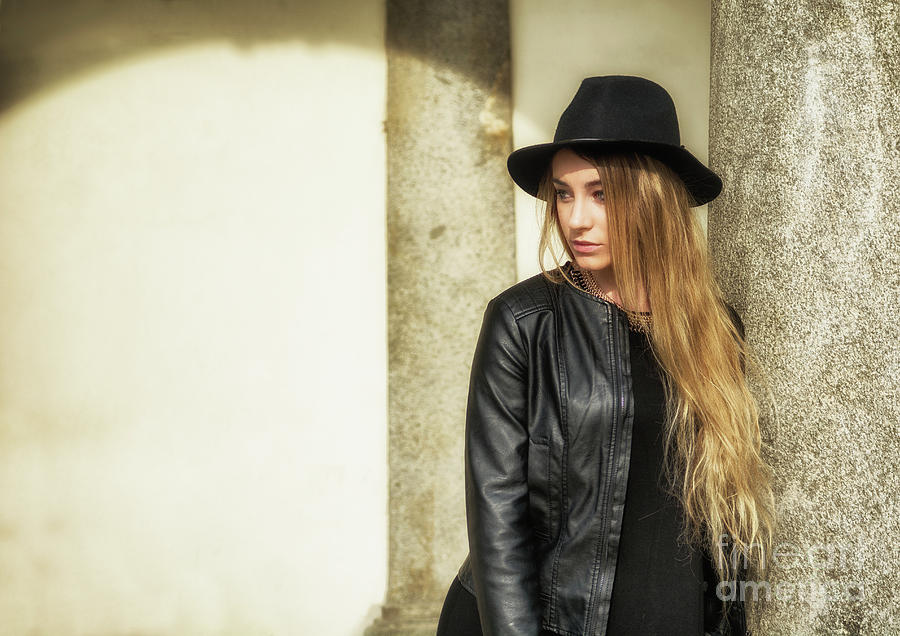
x: 548, y: 446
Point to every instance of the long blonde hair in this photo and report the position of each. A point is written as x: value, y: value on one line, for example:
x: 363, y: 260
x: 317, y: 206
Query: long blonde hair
x: 716, y: 470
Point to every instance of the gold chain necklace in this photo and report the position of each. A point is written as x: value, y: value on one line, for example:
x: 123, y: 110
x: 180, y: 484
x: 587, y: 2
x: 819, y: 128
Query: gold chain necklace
x: 637, y: 320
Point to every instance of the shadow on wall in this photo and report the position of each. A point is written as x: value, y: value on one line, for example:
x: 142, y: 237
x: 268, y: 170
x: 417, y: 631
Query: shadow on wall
x: 46, y: 42
x: 165, y: 390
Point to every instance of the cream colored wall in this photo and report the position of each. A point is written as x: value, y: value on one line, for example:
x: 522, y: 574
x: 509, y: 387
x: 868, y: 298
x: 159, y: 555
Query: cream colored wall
x: 192, y: 351
x: 192, y: 413
x: 556, y: 44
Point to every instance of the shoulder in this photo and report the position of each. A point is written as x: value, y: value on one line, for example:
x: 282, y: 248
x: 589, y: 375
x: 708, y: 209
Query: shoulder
x: 528, y: 296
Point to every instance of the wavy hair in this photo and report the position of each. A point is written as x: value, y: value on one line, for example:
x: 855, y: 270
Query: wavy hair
x: 713, y: 459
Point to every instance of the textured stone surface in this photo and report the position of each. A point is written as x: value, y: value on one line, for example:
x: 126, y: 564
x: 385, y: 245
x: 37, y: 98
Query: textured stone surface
x: 804, y: 131
x: 451, y: 248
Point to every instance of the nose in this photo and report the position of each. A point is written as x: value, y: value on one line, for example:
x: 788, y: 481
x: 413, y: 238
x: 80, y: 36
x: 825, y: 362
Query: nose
x: 580, y: 218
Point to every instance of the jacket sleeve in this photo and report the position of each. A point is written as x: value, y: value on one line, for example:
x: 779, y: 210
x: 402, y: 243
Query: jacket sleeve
x: 500, y: 534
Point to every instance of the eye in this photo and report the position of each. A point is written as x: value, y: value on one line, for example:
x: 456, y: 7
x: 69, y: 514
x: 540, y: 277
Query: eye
x: 599, y: 195
x: 562, y: 195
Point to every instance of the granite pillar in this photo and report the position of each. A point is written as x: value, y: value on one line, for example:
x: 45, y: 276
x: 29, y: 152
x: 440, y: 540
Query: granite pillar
x: 804, y: 129
x: 451, y: 247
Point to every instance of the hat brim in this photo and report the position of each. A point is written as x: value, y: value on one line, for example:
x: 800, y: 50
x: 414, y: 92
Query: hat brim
x: 528, y: 165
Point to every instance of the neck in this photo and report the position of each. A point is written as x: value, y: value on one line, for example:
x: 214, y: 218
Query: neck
x: 606, y: 281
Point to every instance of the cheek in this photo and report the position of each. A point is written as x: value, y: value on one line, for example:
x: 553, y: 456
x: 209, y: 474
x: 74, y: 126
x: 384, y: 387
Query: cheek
x: 562, y: 215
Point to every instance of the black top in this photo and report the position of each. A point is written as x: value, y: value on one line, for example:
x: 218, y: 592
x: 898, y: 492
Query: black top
x: 658, y: 587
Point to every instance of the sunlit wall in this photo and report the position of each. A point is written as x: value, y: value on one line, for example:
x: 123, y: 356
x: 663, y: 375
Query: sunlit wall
x: 192, y: 326
x: 556, y: 44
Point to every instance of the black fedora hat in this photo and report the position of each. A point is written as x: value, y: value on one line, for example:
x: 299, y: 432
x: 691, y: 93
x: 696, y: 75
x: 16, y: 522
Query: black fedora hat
x: 616, y: 113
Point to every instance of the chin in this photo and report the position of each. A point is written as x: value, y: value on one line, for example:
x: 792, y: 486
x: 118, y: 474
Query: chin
x: 592, y: 262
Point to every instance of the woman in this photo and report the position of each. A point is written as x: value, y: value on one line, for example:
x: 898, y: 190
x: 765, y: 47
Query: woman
x: 613, y: 468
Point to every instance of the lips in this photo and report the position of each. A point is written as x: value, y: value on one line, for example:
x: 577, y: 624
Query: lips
x: 585, y: 247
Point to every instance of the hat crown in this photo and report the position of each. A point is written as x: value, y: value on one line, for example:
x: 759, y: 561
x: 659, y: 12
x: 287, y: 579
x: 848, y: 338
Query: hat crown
x: 619, y: 107
x: 618, y: 114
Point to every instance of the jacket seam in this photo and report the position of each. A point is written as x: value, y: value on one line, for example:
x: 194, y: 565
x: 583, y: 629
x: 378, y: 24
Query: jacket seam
x: 516, y: 318
x: 602, y: 553
x: 560, y: 630
x: 524, y: 313
x: 564, y: 465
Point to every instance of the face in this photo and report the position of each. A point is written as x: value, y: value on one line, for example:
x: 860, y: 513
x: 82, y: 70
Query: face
x: 582, y: 210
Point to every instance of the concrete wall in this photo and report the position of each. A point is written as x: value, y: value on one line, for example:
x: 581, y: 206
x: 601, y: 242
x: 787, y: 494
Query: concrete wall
x: 805, y: 124
x: 451, y: 248
x: 556, y: 44
x: 192, y: 327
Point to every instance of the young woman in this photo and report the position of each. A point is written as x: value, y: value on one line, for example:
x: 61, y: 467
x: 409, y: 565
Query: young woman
x: 613, y: 467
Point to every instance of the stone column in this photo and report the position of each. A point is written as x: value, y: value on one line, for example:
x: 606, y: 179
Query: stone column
x: 451, y: 247
x: 804, y: 129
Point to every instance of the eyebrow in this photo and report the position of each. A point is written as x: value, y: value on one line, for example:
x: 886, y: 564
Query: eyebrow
x: 589, y: 184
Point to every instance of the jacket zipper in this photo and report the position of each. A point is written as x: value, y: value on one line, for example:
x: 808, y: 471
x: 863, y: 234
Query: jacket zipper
x: 604, y: 538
